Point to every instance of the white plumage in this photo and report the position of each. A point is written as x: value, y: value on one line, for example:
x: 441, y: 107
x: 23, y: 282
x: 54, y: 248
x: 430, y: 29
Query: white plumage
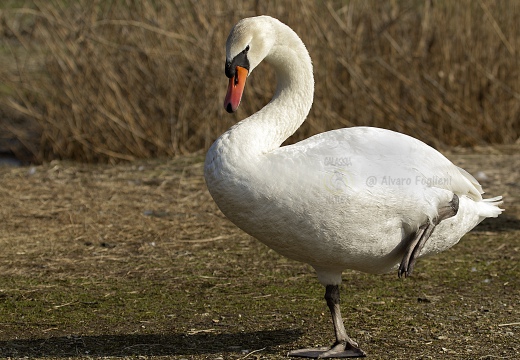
x: 348, y: 198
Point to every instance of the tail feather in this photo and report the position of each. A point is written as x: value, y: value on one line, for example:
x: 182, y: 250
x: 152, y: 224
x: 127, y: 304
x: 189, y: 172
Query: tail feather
x: 490, y: 207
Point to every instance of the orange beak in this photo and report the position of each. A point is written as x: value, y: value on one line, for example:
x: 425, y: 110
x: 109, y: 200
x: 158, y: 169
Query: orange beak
x: 235, y: 89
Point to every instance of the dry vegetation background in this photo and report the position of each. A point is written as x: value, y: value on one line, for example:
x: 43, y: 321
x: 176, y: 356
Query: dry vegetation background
x: 110, y: 80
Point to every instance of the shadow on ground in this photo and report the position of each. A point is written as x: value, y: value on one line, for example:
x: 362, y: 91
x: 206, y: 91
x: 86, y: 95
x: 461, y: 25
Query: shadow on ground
x: 502, y: 223
x: 145, y: 345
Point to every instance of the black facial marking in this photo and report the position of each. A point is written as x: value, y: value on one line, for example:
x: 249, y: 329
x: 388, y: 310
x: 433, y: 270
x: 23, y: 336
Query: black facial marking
x: 239, y: 60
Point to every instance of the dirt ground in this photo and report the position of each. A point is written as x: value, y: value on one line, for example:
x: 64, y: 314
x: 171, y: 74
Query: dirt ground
x: 135, y: 261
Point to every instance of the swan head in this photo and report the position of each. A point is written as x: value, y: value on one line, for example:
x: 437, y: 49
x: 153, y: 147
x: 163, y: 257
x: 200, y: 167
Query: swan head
x: 248, y: 43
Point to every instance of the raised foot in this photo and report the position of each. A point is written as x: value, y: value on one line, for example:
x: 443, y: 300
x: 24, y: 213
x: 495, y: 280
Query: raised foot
x: 336, y: 352
x: 417, y: 241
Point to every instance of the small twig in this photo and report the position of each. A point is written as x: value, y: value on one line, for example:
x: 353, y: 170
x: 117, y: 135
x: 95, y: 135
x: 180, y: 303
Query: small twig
x: 62, y: 305
x: 50, y: 329
x: 262, y: 296
x: 204, y: 331
x: 252, y: 352
x: 220, y: 237
x: 510, y: 324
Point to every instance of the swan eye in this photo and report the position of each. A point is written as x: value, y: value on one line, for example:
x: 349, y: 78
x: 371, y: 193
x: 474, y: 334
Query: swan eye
x: 246, y: 49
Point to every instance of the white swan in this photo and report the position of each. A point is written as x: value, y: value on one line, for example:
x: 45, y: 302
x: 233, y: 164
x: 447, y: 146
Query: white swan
x: 361, y: 198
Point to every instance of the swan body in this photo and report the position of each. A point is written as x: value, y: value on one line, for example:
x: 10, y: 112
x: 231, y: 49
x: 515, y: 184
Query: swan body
x: 344, y: 199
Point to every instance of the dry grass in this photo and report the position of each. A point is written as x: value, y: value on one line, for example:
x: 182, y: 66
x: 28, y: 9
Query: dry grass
x: 105, y: 81
x: 134, y: 260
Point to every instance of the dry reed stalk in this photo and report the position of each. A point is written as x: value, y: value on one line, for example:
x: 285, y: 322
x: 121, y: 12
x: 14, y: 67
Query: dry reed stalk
x: 125, y: 80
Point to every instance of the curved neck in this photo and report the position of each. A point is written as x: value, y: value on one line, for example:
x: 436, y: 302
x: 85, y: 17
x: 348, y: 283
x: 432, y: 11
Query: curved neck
x: 268, y: 128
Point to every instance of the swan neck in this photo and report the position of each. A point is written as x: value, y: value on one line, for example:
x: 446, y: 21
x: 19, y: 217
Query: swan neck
x: 268, y: 128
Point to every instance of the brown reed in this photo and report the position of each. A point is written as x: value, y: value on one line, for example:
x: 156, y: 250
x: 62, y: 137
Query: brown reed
x: 103, y: 81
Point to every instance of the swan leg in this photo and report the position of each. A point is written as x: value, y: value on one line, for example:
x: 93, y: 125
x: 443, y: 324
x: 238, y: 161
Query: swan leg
x: 422, y: 235
x: 344, y: 347
x: 414, y: 249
